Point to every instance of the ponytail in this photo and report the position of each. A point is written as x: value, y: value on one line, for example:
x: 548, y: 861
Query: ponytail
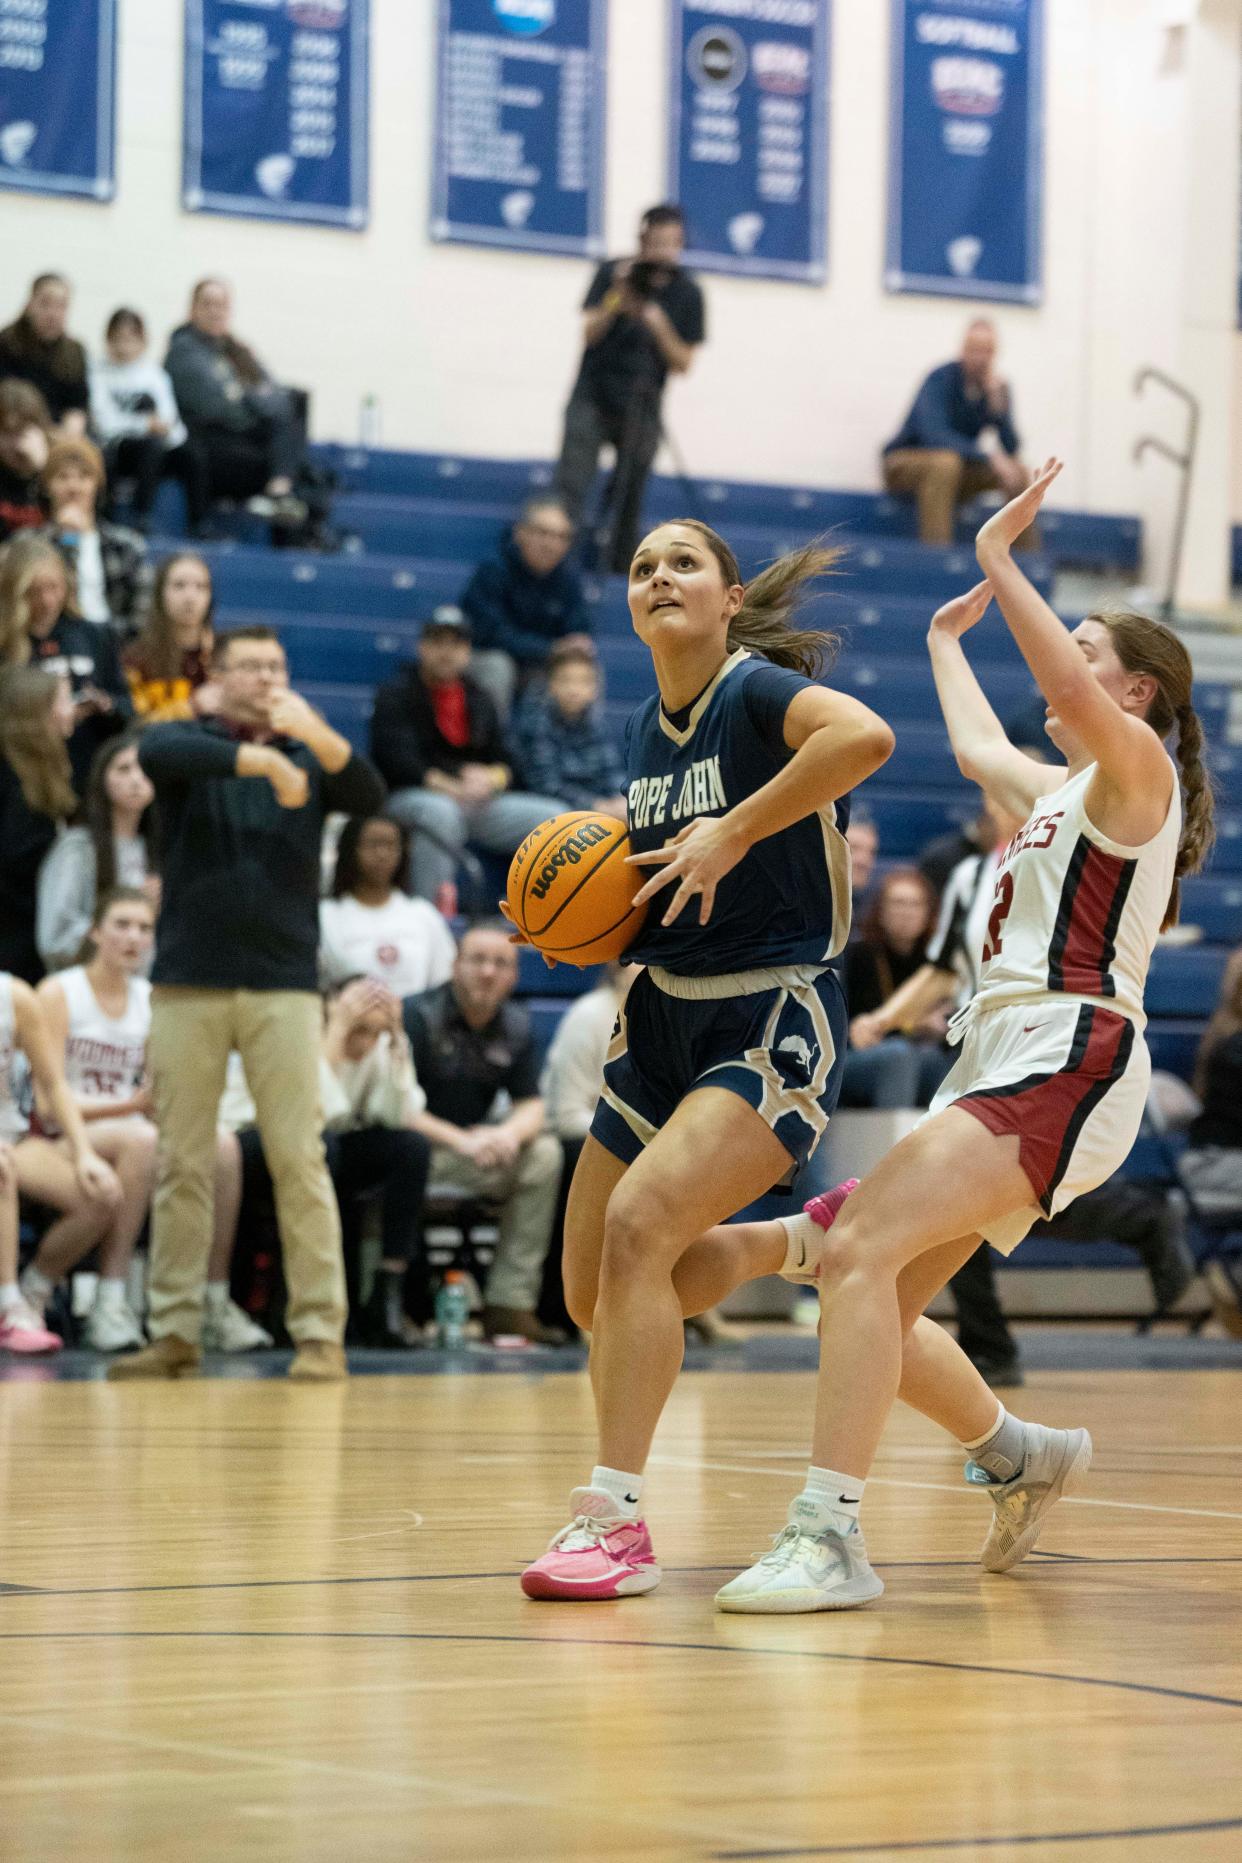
x: 766, y: 623
x: 1198, y: 824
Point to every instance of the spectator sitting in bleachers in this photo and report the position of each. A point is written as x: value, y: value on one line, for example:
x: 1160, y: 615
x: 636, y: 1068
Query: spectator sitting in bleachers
x: 113, y: 846
x: 862, y: 837
x: 108, y: 562
x: 370, y: 1098
x: 1211, y: 1167
x: 371, y: 927
x: 25, y: 430
x: 36, y: 796
x: 39, y: 623
x: 883, y: 1070
x: 250, y: 430
x: 563, y: 745
x: 36, y: 349
x: 958, y: 439
x: 169, y: 665
x: 523, y: 600
x: 71, y: 1178
x: 471, y: 1044
x: 135, y: 416
x: 437, y: 740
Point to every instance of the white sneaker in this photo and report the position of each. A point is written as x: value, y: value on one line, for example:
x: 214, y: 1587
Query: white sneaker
x: 229, y: 1329
x: 805, y: 1571
x: 1056, y: 1463
x: 113, y: 1328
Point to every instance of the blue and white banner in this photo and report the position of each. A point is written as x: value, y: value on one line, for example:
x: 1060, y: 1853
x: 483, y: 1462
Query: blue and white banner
x: 748, y: 134
x: 965, y: 182
x: 519, y: 137
x: 58, y: 96
x: 276, y: 102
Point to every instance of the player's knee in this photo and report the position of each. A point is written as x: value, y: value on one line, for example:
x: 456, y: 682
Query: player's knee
x: 845, y: 1253
x: 633, y: 1227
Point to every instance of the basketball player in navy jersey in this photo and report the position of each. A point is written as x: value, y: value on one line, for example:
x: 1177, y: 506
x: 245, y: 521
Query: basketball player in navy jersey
x: 727, y: 1055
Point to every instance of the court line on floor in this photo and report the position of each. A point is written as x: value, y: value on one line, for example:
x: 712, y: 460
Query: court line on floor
x: 942, y: 1487
x: 1038, y: 1557
x: 1025, y: 1840
x: 940, y: 1664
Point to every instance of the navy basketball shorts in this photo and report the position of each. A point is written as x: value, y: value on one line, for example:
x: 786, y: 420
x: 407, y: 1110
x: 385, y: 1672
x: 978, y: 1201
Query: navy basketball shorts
x: 776, y: 1038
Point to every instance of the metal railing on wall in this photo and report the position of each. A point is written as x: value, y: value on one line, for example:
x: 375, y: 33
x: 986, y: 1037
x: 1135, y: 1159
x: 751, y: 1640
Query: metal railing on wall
x: 1183, y: 459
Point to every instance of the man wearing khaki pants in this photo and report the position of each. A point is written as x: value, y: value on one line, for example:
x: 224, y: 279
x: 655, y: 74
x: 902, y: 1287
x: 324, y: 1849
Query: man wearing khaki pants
x: 958, y: 439
x: 241, y: 800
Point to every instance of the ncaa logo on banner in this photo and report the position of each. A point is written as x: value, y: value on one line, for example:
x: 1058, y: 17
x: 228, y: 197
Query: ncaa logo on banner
x: 525, y: 16
x: 968, y: 86
x: 716, y: 59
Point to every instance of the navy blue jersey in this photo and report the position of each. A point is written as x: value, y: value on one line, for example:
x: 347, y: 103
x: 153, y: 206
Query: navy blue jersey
x: 788, y: 900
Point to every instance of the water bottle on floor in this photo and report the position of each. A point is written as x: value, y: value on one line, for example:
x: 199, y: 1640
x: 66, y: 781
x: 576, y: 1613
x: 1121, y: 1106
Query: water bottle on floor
x: 452, y: 1311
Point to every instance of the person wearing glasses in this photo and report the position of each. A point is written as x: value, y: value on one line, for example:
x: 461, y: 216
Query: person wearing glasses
x: 523, y: 601
x: 241, y: 799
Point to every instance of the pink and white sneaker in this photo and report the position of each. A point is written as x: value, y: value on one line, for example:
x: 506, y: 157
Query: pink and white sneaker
x: 595, y: 1556
x: 21, y: 1330
x: 823, y: 1212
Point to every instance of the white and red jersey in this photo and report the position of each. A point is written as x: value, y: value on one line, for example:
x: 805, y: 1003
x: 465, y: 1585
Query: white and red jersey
x: 1073, y: 913
x: 13, y: 1123
x: 105, y: 1056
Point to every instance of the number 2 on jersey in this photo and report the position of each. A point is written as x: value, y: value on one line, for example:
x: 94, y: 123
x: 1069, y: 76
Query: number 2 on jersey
x: 1001, y: 902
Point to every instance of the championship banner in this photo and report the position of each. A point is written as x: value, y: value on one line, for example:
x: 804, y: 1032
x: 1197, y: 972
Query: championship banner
x: 748, y: 135
x: 519, y: 135
x: 58, y: 96
x: 965, y: 180
x: 276, y: 105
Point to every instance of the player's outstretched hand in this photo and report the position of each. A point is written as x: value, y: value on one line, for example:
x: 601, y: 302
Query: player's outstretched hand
x: 519, y: 937
x: 698, y: 858
x: 961, y: 614
x: 1005, y: 526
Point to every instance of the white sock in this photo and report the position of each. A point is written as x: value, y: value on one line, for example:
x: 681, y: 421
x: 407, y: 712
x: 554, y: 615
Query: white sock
x: 829, y: 1499
x: 1002, y: 1451
x: 10, y: 1295
x: 217, y: 1295
x: 38, y: 1287
x: 991, y: 1430
x: 804, y: 1243
x: 622, y: 1489
x: 110, y: 1292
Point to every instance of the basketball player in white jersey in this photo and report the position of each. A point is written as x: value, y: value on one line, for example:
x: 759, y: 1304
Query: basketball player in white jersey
x: 80, y: 1180
x: 99, y: 1015
x: 1046, y: 1098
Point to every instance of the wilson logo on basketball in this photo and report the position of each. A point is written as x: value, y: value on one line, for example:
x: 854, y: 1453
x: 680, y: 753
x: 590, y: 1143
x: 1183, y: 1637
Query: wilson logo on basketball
x: 569, y: 853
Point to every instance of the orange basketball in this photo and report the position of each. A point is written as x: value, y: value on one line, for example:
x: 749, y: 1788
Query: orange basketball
x: 571, y: 892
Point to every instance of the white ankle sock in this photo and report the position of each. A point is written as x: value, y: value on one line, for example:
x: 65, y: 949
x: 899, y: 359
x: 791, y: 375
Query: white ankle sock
x: 804, y: 1243
x: 830, y: 1499
x: 216, y: 1294
x: 39, y: 1288
x: 625, y: 1490
x: 110, y: 1292
x: 1002, y: 1451
x: 991, y: 1430
x: 10, y: 1295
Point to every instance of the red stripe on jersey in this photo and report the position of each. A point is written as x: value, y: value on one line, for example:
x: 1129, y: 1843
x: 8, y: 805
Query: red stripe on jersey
x: 1048, y: 1111
x: 1082, y: 949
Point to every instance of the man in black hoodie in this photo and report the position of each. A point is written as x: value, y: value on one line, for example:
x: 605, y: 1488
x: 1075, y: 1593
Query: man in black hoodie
x: 523, y: 600
x: 241, y: 800
x: 437, y: 740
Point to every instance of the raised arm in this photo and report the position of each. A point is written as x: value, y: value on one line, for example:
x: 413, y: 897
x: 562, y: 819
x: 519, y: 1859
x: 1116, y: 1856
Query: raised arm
x: 983, y: 752
x: 183, y: 753
x: 1130, y: 755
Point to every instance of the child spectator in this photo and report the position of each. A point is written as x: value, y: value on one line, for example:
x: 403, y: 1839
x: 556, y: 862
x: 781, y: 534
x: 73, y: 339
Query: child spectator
x: 169, y: 665
x: 114, y: 846
x: 25, y: 428
x: 563, y: 744
x: 71, y: 1178
x: 134, y: 413
x: 36, y: 349
x: 39, y: 623
x: 36, y: 794
x: 523, y: 600
x: 108, y: 563
x: 371, y: 927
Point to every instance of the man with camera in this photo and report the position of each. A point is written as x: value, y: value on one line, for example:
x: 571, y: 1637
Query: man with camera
x: 644, y: 317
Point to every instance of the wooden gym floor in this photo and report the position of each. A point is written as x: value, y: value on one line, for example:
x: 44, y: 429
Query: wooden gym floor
x: 247, y: 1621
